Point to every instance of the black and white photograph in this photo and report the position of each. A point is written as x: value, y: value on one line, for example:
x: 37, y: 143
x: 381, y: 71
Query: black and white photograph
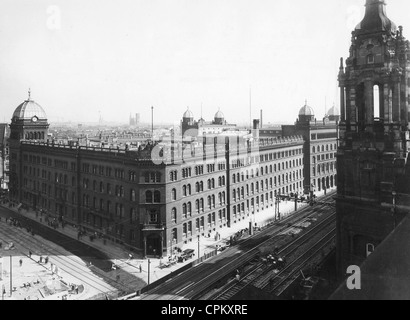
x: 202, y: 156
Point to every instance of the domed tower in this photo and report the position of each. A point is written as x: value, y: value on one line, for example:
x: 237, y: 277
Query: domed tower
x: 29, y: 122
x: 373, y: 162
x: 306, y: 114
x: 333, y: 114
x: 219, y: 118
x: 188, y: 122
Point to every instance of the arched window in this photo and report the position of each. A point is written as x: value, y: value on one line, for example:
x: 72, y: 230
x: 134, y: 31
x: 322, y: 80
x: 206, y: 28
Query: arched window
x: 213, y: 183
x: 174, y: 194
x: 132, y: 195
x: 184, y: 210
x: 157, y: 197
x: 174, y: 215
x: 209, y: 202
x: 197, y: 187
x: 197, y: 206
x: 148, y: 196
x: 189, y: 208
x: 369, y: 249
x: 189, y: 189
x: 184, y: 191
x: 376, y: 99
x: 201, y: 186
x: 174, y: 235
x: 202, y: 204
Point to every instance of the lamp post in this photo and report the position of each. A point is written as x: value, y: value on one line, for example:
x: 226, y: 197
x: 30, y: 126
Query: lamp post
x: 11, y: 276
x: 149, y: 263
x: 199, y: 254
x: 394, y: 194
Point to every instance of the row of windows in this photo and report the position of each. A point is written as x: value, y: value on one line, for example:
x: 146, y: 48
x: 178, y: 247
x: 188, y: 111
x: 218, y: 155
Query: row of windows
x: 323, y: 148
x: 199, y: 224
x: 325, y: 167
x: 323, y: 157
x: 199, y: 206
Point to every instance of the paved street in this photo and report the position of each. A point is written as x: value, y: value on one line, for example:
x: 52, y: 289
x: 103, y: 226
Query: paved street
x: 129, y: 275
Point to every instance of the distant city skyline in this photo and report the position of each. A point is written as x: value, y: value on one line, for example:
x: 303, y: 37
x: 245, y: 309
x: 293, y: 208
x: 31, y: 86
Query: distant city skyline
x: 81, y: 58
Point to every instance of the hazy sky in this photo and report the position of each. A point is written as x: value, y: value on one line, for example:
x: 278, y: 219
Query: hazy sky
x: 82, y: 57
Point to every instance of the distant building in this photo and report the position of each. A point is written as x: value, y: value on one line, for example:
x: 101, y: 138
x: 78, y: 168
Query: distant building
x: 320, y: 147
x: 192, y: 128
x: 135, y: 121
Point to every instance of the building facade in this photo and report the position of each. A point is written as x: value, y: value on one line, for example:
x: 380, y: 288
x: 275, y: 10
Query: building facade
x: 373, y: 156
x: 156, y: 197
x: 320, y: 147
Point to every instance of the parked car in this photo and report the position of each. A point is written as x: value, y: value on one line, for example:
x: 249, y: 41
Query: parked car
x: 186, y: 254
x: 222, y: 245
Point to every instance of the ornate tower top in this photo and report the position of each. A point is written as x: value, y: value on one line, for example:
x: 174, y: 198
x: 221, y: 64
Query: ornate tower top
x: 375, y: 19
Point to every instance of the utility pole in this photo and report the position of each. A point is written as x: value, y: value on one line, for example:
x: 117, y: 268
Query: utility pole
x: 152, y: 123
x: 149, y: 263
x: 296, y: 202
x: 11, y: 276
x: 199, y: 254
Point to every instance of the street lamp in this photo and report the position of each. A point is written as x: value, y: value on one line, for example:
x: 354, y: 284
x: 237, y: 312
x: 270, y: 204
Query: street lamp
x: 394, y: 194
x: 199, y: 255
x: 149, y: 263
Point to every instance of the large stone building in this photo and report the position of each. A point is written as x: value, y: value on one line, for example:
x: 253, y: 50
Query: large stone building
x: 192, y: 128
x: 373, y: 157
x: 320, y: 147
x: 157, y: 196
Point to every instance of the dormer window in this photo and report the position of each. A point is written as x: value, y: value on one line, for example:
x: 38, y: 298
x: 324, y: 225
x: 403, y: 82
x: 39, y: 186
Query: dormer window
x: 370, y: 59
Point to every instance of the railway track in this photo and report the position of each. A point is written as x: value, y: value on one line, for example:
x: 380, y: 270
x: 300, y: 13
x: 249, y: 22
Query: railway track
x: 260, y: 274
x: 192, y: 283
x: 70, y: 265
x: 287, y: 276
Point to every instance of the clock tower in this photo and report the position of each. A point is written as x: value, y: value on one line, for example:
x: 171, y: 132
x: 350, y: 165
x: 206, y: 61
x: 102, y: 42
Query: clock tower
x: 373, y: 161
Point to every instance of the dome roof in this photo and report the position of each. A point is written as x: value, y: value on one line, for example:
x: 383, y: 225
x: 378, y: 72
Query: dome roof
x: 28, y: 109
x: 333, y: 111
x: 219, y: 115
x: 188, y: 114
x: 306, y: 111
x: 375, y: 19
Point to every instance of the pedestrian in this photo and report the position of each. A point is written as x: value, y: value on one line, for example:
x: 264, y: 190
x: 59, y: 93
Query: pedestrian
x: 130, y: 256
x: 41, y: 259
x: 140, y: 268
x: 21, y: 262
x: 29, y: 254
x: 46, y: 260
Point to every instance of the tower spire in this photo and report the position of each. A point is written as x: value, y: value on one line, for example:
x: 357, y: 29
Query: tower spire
x: 29, y: 93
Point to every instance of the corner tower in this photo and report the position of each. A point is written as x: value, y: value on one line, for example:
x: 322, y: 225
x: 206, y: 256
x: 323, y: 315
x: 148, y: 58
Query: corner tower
x: 29, y: 122
x: 373, y: 157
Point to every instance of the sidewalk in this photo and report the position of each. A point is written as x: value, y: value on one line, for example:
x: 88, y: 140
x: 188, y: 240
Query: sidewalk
x: 129, y: 269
